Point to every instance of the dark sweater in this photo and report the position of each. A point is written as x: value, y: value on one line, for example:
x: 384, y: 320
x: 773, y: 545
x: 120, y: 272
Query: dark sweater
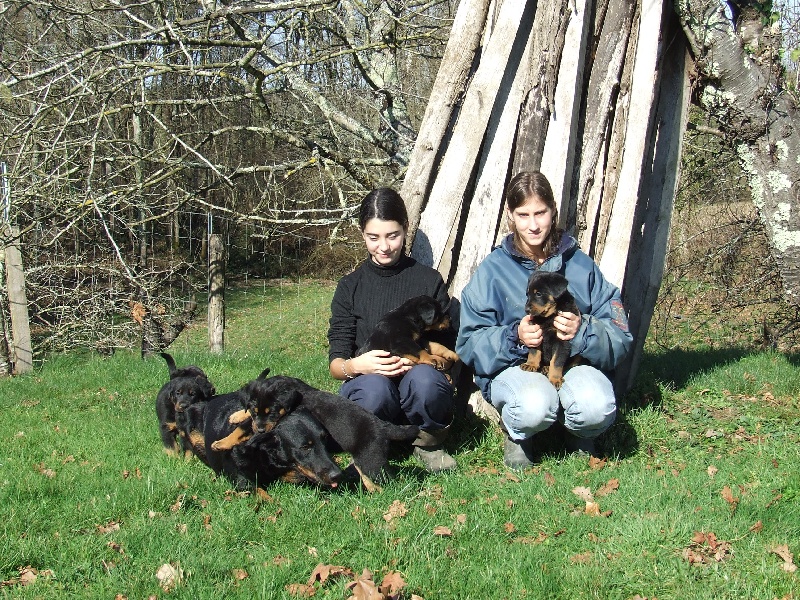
x: 364, y: 296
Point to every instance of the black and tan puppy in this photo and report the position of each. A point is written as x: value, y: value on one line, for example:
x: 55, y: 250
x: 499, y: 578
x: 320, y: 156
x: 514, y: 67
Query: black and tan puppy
x: 190, y: 423
x: 260, y: 413
x: 402, y: 332
x: 354, y: 429
x: 186, y: 386
x: 547, y: 296
x: 294, y: 451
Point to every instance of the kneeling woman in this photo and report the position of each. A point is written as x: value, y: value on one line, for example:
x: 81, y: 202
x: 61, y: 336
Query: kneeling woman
x: 387, y: 385
x: 495, y: 333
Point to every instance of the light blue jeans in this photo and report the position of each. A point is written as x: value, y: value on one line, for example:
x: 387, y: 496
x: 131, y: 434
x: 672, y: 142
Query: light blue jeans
x: 528, y: 403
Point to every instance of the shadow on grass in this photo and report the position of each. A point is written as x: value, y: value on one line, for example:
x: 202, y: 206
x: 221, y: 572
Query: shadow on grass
x: 677, y: 367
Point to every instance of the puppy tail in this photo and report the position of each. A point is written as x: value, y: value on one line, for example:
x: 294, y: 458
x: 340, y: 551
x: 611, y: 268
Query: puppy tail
x: 170, y: 362
x: 400, y: 433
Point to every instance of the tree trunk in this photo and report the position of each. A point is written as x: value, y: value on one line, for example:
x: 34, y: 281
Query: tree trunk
x: 741, y: 91
x: 443, y: 102
x: 216, y: 294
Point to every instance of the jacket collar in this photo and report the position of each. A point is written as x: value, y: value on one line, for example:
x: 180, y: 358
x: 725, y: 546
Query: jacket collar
x: 553, y: 263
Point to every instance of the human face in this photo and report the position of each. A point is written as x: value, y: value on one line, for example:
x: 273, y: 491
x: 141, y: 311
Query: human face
x: 532, y: 223
x: 384, y: 240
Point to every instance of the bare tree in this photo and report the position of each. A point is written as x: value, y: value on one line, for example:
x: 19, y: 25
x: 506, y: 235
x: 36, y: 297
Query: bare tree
x: 123, y: 124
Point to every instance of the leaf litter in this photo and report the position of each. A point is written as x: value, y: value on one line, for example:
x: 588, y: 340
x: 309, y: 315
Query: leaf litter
x: 361, y: 587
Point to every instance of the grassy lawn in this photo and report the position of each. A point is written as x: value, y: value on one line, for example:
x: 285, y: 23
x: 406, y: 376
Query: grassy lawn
x: 699, y: 496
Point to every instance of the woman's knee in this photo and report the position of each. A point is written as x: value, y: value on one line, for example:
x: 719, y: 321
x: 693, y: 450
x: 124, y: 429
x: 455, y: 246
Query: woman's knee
x: 426, y: 397
x: 527, y: 402
x: 375, y: 393
x: 588, y: 399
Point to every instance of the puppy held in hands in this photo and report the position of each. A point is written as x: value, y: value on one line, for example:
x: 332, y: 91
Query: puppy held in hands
x: 547, y: 296
x: 403, y: 331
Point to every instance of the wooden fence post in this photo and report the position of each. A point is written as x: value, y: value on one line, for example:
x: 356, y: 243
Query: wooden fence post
x: 216, y: 294
x: 18, y: 303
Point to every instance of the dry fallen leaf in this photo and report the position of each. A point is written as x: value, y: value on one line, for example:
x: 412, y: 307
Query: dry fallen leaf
x: 396, y: 510
x: 442, y: 531
x: 531, y: 540
x: 323, y: 572
x: 595, y: 464
x: 728, y: 496
x: 27, y: 575
x: 509, y: 528
x: 169, y: 576
x: 592, y: 509
x: 549, y: 479
x: 788, y: 558
x: 756, y: 527
x: 363, y: 588
x: 108, y: 527
x: 240, y: 574
x: 583, y: 493
x: 392, y: 583
x: 712, y: 470
x: 610, y: 486
x: 705, y: 548
x: 300, y: 589
x: 582, y: 558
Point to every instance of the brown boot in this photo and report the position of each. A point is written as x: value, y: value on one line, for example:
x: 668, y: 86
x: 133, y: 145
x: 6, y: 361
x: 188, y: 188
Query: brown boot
x: 429, y: 451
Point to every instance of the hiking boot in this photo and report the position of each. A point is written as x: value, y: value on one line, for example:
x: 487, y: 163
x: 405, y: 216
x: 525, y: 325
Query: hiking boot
x: 518, y: 455
x: 428, y: 449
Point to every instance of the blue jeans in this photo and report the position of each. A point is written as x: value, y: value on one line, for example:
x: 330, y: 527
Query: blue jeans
x: 422, y: 396
x: 528, y: 403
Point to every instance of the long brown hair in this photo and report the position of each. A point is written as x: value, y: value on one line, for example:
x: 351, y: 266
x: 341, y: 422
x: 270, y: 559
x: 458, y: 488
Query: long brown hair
x: 521, y: 188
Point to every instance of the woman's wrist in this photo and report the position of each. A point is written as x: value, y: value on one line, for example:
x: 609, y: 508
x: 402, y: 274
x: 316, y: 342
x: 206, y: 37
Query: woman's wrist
x: 347, y: 369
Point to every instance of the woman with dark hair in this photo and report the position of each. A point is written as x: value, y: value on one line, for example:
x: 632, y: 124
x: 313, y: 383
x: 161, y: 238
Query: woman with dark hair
x: 387, y: 385
x: 496, y: 334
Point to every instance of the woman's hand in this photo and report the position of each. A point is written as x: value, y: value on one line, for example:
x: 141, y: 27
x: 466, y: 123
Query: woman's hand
x: 529, y: 334
x: 567, y: 325
x: 379, y: 362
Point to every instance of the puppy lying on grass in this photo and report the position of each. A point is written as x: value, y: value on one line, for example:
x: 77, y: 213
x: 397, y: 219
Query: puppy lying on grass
x: 294, y: 450
x: 352, y: 428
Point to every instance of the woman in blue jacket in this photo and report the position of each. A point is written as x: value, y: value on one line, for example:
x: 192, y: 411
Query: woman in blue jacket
x: 495, y: 333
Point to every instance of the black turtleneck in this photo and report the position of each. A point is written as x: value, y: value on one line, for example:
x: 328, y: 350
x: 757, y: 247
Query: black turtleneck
x: 369, y: 292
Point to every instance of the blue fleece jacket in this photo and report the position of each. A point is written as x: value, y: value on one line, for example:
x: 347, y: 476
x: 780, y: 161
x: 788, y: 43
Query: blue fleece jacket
x: 493, y: 304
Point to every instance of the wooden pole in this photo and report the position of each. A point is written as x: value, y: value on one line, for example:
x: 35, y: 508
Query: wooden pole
x: 18, y: 303
x: 216, y: 294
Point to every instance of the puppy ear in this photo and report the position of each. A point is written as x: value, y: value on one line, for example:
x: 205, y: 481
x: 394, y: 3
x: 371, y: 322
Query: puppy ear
x: 559, y: 288
x: 293, y: 399
x: 263, y: 374
x: 273, y: 451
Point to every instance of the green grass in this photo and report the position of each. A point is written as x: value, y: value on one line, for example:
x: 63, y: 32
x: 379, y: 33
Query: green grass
x: 90, y: 500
